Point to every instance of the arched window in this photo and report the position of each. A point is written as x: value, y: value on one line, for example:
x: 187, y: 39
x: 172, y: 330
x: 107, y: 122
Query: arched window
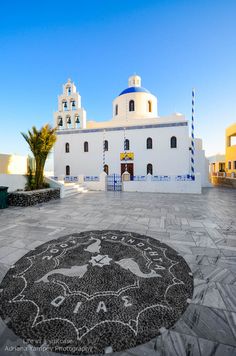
x: 126, y: 145
x: 149, y: 106
x: 86, y: 148
x: 68, y: 90
x: 173, y: 142
x: 106, y: 169
x: 67, y: 147
x: 149, y: 168
x: 105, y: 145
x: 116, y: 109
x: 67, y: 170
x: 149, y: 143
x: 131, y: 105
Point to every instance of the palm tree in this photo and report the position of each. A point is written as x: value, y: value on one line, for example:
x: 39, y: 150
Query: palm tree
x: 40, y: 143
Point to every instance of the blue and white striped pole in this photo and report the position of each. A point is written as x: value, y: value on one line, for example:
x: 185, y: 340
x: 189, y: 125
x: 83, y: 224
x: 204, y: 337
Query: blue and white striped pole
x: 103, y: 157
x: 192, y: 136
x: 125, y: 148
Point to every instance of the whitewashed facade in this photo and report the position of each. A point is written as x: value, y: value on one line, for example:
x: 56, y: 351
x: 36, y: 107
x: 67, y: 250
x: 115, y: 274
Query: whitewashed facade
x: 156, y: 145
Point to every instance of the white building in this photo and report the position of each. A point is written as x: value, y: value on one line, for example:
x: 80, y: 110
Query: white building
x: 13, y: 164
x: 153, y: 144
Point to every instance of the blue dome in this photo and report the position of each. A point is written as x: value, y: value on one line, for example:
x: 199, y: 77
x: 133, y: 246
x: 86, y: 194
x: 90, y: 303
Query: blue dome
x: 134, y: 90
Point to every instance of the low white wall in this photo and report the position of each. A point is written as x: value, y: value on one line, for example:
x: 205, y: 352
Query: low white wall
x: 55, y: 184
x: 172, y: 186
x: 202, y: 166
x: 97, y: 185
x: 13, y: 181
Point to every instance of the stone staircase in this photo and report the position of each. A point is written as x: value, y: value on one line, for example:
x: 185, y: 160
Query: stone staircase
x: 71, y: 189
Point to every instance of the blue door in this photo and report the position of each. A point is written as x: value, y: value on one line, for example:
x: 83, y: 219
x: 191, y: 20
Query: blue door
x: 114, y: 183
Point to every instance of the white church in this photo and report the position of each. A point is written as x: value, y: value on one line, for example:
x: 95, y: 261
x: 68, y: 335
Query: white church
x: 155, y: 151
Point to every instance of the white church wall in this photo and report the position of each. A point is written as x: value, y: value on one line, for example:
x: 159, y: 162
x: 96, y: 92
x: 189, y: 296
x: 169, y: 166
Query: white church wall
x: 165, y: 160
x: 80, y: 162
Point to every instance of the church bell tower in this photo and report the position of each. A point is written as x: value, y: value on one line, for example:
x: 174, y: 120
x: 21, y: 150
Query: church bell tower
x: 70, y: 114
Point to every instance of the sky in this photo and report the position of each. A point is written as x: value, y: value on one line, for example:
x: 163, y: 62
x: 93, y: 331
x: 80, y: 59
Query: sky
x: 174, y: 45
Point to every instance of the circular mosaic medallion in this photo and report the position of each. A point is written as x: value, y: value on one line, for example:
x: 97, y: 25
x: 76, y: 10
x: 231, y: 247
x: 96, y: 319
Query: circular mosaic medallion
x: 86, y: 292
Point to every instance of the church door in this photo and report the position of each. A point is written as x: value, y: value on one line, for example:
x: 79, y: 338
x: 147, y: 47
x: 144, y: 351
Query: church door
x: 130, y: 169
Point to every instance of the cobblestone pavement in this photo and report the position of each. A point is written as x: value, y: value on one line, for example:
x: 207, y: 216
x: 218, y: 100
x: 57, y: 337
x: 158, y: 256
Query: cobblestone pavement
x: 202, y: 228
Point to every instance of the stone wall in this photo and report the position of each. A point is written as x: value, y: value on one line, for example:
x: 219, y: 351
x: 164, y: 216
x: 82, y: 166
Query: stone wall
x: 34, y: 197
x: 224, y: 181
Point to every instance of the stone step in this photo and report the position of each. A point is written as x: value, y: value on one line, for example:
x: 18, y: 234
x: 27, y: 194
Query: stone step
x: 70, y: 188
x: 69, y: 194
x: 70, y: 184
x: 81, y: 189
x: 76, y: 187
x: 73, y: 189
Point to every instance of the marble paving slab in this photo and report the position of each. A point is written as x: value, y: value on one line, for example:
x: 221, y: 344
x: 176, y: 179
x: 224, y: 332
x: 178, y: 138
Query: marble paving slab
x: 202, y: 229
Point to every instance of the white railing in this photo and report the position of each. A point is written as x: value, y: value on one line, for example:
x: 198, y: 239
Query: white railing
x: 70, y: 179
x: 139, y: 178
x: 161, y: 178
x: 53, y: 177
x: 184, y: 178
x: 91, y: 178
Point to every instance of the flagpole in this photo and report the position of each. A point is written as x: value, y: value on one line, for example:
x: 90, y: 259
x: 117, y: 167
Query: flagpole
x: 125, y: 149
x: 103, y: 158
x: 192, y: 137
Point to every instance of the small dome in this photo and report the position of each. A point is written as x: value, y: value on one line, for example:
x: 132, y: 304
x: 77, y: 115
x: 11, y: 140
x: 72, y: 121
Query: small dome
x: 134, y: 90
x: 134, y: 83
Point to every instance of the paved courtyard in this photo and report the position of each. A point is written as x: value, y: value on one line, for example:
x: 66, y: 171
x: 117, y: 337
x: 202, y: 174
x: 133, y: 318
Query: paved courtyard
x: 202, y: 228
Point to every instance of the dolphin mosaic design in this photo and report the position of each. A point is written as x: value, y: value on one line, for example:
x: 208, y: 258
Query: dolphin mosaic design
x: 74, y: 271
x: 132, y: 266
x: 94, y: 247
